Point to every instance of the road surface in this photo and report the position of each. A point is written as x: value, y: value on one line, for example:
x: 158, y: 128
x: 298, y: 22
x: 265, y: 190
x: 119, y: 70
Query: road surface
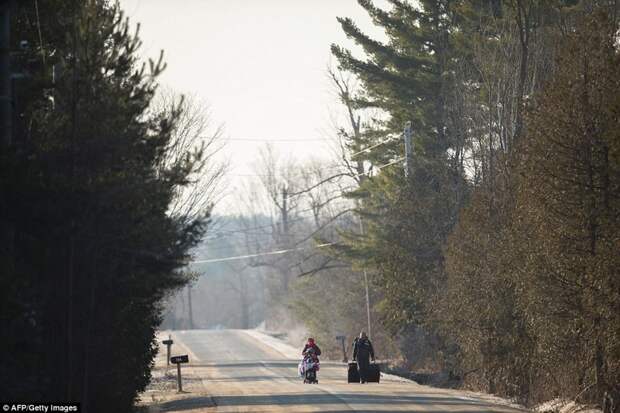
x: 246, y: 372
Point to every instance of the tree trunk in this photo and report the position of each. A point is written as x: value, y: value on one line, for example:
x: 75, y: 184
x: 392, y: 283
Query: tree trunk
x: 523, y: 23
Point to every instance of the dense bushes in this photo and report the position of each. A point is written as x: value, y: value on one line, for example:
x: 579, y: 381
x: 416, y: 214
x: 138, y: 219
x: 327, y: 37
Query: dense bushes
x: 502, y: 244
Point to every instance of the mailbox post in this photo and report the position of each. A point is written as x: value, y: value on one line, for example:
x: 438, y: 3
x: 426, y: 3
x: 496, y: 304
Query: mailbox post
x: 178, y: 360
x: 168, y: 344
x: 344, y: 351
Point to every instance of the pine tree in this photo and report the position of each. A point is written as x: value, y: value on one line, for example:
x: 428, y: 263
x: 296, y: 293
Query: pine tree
x: 90, y: 182
x: 409, y: 78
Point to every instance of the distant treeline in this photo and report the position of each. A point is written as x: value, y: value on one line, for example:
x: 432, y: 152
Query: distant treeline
x: 497, y: 260
x: 90, y: 242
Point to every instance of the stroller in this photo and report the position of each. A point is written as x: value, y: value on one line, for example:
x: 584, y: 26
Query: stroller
x: 309, y: 366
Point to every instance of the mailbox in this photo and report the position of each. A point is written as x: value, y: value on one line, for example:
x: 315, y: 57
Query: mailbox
x: 179, y: 359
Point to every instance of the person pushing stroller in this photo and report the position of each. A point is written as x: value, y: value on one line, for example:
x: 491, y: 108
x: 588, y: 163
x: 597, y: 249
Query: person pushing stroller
x: 309, y: 365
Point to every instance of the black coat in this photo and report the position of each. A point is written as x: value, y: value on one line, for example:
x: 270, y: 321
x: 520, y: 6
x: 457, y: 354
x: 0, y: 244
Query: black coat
x: 362, y: 349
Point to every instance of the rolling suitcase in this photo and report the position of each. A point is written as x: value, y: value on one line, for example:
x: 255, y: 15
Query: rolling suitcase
x: 374, y: 373
x: 354, y: 374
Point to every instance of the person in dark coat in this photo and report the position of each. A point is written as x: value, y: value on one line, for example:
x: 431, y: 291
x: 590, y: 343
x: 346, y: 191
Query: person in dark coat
x: 362, y: 352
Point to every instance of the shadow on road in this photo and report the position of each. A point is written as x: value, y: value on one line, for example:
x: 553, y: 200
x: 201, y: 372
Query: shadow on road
x: 249, y: 364
x: 428, y: 404
x: 190, y: 403
x: 249, y: 378
x: 349, y: 398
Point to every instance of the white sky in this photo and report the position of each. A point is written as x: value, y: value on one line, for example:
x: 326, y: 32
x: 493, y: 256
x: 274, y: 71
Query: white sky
x: 259, y: 64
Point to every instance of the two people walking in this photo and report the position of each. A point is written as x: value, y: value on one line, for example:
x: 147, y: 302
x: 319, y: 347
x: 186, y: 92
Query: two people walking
x: 363, y: 353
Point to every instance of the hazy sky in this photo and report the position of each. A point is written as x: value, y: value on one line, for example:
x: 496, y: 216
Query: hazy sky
x: 259, y: 64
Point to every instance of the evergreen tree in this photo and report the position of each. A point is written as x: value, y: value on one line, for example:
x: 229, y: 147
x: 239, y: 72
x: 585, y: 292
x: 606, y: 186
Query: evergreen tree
x: 86, y: 186
x: 409, y: 78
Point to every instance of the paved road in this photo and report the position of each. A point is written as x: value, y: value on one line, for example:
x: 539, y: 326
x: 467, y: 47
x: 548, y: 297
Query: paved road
x: 245, y: 374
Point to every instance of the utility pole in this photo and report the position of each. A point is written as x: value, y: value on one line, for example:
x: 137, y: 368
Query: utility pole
x: 285, y: 214
x: 189, y: 307
x: 6, y: 99
x: 341, y: 338
x: 408, y: 148
x: 366, y: 286
x: 284, y: 272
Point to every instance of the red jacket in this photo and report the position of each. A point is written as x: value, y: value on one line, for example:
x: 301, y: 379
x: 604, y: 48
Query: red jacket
x: 316, y: 348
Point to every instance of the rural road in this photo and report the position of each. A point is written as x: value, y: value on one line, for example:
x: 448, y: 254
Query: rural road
x: 247, y: 371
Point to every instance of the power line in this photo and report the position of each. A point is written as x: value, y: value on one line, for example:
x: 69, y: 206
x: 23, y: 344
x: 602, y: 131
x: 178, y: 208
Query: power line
x: 278, y: 252
x: 371, y: 147
x: 382, y: 166
x: 224, y: 233
x: 328, y: 167
x: 261, y: 254
x: 285, y: 176
x: 279, y: 140
x: 331, y: 221
x: 297, y: 175
x: 350, y: 176
x: 248, y: 230
x: 402, y: 158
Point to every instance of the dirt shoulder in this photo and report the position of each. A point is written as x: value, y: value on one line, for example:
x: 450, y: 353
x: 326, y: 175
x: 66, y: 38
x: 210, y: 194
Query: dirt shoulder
x: 162, y: 396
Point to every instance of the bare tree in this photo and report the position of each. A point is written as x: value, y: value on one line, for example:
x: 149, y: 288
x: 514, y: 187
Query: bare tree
x: 195, y: 134
x: 350, y: 142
